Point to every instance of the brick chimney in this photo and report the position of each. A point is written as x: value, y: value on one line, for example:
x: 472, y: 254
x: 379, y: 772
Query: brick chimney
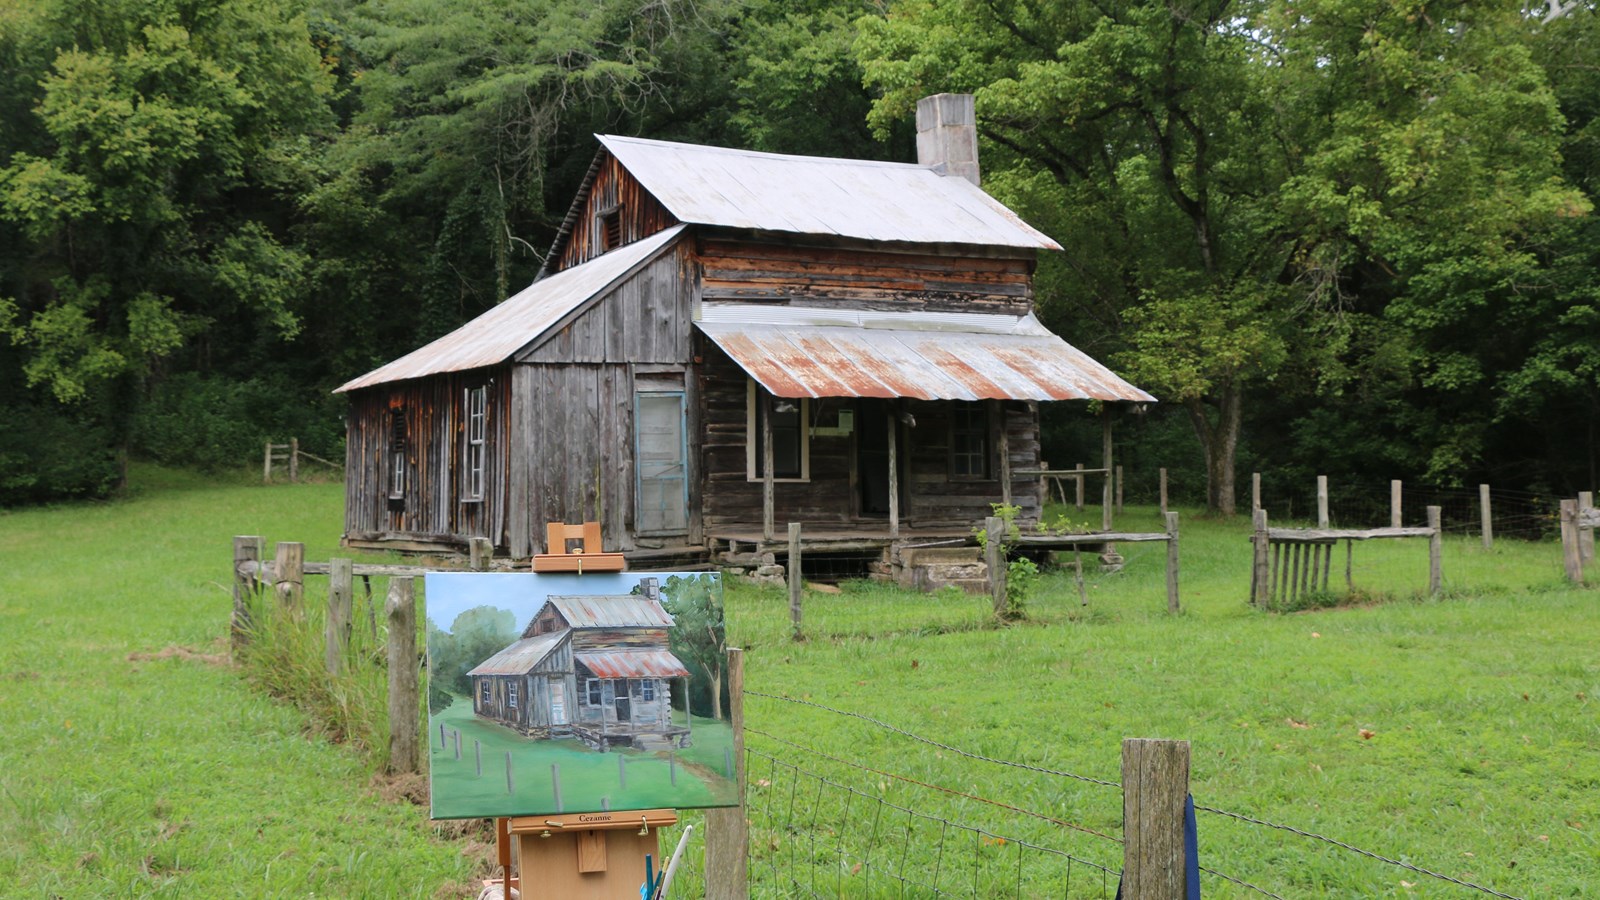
x: 947, y: 135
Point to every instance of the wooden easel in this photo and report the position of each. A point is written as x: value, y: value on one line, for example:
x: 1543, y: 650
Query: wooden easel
x: 589, y: 855
x: 594, y: 856
x: 589, y: 557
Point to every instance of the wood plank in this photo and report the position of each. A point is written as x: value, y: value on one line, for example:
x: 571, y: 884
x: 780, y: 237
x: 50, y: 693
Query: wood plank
x: 1155, y: 785
x: 728, y: 830
x: 401, y: 652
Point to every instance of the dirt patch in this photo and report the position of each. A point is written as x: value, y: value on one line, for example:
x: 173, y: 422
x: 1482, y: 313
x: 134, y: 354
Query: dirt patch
x: 173, y: 651
x: 407, y: 787
x: 22, y: 676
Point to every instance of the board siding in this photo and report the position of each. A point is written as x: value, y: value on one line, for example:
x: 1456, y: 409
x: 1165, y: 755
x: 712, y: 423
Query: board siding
x: 641, y: 214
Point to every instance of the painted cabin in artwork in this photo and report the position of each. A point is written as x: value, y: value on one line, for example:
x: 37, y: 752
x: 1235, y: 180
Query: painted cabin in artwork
x: 594, y: 668
x: 723, y: 339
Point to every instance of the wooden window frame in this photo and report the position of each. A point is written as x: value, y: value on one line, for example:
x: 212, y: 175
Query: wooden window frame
x: 593, y: 688
x: 647, y: 690
x: 485, y: 692
x: 511, y: 694
x: 608, y: 228
x: 475, y: 407
x: 758, y: 404
x: 396, y: 467
x: 984, y: 430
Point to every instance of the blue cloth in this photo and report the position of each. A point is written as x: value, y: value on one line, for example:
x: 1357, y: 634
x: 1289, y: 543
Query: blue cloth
x: 1191, y: 853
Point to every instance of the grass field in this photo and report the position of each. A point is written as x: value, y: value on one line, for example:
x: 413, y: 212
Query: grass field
x: 588, y: 777
x: 1457, y: 733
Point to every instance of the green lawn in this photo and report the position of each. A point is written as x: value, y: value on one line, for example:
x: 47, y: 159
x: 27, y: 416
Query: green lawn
x: 590, y: 780
x: 1457, y: 733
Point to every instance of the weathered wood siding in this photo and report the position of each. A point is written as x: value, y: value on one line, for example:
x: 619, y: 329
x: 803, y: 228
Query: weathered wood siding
x: 572, y: 420
x: 641, y: 215
x: 862, y: 275
x: 433, y: 508
x: 931, y: 496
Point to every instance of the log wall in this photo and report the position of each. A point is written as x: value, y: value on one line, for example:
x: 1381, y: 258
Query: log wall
x: 432, y: 510
x: 641, y: 215
x: 863, y: 275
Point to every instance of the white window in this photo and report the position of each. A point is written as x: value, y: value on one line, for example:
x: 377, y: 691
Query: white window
x: 477, y: 431
x: 791, y: 432
x: 647, y: 690
x: 593, y: 696
x: 485, y: 692
x: 511, y: 694
x: 397, y: 453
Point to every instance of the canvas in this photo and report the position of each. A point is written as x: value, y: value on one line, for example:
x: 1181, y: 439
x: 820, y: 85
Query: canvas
x: 558, y: 693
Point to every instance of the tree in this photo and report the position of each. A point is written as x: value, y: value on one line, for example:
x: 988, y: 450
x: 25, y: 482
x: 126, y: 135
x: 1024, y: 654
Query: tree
x: 698, y: 634
x: 137, y: 190
x: 475, y: 635
x: 1244, y: 188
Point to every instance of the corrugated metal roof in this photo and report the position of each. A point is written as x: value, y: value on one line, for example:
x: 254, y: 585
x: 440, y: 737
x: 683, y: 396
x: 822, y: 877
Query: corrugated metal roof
x: 621, y: 611
x: 811, y: 352
x: 520, y: 657
x: 493, y: 337
x: 875, y: 201
x: 632, y: 664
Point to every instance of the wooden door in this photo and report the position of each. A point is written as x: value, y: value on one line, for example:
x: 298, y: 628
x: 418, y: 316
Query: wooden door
x: 660, y: 455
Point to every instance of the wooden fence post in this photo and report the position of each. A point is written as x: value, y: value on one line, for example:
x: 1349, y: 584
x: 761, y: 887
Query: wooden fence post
x: 294, y: 460
x: 266, y: 465
x: 1394, y: 504
x: 246, y: 549
x: 336, y: 628
x: 404, y: 713
x: 1119, y: 489
x: 1571, y: 558
x: 1163, y: 492
x: 994, y: 559
x: 1255, y: 491
x: 1172, y: 561
x: 795, y: 581
x: 480, y: 550
x: 1155, y: 786
x: 1435, y: 552
x: 1322, y: 501
x: 1485, y: 517
x: 1586, y: 535
x: 728, y: 830
x: 1260, y: 588
x: 289, y: 576
x: 1078, y: 481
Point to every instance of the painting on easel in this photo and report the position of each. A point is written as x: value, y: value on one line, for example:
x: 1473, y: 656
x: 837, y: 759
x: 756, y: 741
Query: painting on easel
x: 552, y: 693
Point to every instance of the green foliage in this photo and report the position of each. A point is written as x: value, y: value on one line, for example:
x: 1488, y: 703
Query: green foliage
x: 699, y: 635
x: 51, y: 453
x: 474, y: 636
x: 216, y: 423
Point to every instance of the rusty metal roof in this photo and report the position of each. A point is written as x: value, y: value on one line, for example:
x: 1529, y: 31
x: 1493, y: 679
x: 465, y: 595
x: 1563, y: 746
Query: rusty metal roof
x: 496, y: 335
x: 620, y: 611
x: 875, y: 201
x: 632, y: 664
x: 816, y: 352
x: 520, y: 657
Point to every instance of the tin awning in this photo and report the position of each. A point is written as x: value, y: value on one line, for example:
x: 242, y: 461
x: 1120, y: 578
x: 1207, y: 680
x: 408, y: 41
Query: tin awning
x: 632, y: 664
x: 823, y: 352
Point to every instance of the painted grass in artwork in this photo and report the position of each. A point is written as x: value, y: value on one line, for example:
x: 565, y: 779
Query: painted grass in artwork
x: 588, y: 779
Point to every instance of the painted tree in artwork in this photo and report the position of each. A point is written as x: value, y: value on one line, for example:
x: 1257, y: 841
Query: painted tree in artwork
x: 475, y: 635
x: 699, y: 634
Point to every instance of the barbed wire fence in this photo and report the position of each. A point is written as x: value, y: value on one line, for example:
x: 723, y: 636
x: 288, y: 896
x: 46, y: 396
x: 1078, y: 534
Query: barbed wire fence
x: 825, y: 825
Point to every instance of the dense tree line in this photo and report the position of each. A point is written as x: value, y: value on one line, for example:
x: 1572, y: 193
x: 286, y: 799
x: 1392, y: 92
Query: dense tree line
x: 1355, y: 235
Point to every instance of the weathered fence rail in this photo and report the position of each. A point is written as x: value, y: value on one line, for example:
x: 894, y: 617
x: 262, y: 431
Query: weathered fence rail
x: 289, y: 456
x: 1291, y: 563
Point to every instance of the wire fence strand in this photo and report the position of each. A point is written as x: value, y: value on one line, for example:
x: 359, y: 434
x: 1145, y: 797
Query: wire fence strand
x: 1367, y: 853
x: 933, y: 743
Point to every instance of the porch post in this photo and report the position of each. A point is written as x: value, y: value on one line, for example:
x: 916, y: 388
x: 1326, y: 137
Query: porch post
x: 894, y: 470
x: 1005, y: 452
x: 766, y: 466
x: 1105, y: 453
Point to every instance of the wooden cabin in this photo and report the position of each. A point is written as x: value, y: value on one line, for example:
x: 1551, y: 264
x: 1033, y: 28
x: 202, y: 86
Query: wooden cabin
x: 725, y: 341
x: 595, y: 668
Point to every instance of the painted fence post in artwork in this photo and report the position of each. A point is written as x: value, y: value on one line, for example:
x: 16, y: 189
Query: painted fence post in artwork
x: 402, y: 657
x: 1155, y: 786
x: 728, y: 830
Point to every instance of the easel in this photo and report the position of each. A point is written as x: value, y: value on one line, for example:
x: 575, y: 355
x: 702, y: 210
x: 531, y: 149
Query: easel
x: 592, y: 855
